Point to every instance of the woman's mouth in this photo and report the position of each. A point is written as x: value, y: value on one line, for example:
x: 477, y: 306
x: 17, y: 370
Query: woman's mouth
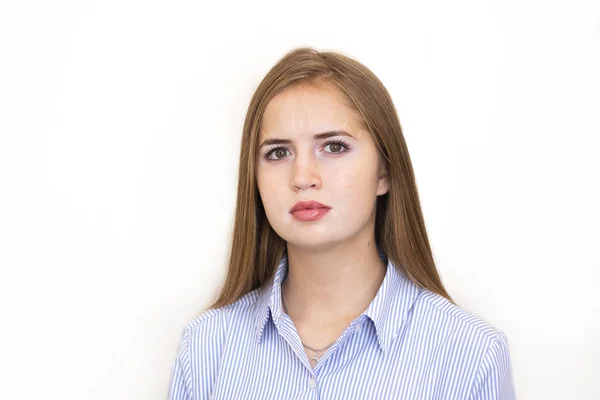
x: 305, y: 211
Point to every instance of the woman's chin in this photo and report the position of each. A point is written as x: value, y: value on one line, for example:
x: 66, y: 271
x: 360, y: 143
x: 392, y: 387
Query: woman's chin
x: 313, y: 242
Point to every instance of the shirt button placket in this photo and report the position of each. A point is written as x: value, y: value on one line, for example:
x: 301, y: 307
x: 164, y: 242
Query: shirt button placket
x: 312, y: 383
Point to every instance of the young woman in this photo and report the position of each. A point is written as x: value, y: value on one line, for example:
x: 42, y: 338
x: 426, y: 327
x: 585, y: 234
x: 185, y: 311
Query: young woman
x: 332, y: 291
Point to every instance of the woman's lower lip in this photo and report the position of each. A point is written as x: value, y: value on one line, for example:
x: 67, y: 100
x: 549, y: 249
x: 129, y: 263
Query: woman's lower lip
x: 310, y: 214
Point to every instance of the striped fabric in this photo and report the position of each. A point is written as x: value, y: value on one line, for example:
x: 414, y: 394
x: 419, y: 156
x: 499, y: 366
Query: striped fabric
x: 410, y: 343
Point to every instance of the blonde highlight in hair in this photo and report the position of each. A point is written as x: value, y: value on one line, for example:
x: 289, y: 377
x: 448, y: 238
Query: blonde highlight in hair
x: 256, y: 248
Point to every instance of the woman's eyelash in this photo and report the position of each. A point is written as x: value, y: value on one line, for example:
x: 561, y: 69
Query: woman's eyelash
x: 340, y: 142
x: 271, y: 150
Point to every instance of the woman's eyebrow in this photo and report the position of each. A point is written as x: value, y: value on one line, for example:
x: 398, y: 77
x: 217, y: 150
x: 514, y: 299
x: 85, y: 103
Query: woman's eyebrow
x: 318, y: 136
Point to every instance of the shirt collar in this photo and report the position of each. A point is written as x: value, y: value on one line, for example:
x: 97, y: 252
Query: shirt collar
x: 387, y: 310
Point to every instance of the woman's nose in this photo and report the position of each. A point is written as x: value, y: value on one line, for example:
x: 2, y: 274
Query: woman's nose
x: 305, y: 173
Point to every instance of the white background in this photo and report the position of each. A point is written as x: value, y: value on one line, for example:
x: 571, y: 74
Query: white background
x: 120, y: 126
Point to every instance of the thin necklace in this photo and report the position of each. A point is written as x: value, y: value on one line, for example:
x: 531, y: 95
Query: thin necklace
x: 316, y: 356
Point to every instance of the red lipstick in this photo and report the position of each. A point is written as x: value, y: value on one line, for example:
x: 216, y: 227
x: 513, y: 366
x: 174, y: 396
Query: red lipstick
x: 309, y: 211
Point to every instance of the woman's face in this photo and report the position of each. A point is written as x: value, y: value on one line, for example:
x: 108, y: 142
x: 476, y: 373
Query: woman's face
x: 339, y: 169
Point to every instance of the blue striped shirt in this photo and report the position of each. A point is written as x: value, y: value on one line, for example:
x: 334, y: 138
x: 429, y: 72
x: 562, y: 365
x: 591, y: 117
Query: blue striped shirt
x: 410, y: 343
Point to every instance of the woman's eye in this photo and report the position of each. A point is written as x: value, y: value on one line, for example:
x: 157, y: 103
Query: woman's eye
x: 279, y: 153
x: 336, y: 147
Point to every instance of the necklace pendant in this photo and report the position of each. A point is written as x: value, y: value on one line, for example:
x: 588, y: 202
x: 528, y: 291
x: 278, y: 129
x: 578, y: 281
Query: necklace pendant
x: 314, y: 360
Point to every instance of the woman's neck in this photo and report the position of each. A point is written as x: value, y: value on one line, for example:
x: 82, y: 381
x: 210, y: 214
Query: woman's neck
x: 332, y: 285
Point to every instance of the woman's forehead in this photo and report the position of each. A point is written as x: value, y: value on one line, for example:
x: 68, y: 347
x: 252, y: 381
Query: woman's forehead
x: 308, y: 108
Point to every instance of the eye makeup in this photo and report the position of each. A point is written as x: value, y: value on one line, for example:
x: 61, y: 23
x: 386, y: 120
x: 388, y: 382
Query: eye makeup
x: 344, y: 147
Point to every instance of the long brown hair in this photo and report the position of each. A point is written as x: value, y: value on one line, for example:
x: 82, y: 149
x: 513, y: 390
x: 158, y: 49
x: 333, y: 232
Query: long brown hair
x: 399, y: 227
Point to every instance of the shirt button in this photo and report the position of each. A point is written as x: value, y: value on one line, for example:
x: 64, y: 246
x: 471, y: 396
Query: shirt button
x: 312, y: 382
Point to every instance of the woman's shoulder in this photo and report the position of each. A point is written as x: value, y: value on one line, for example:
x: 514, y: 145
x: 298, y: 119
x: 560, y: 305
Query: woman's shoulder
x: 204, y: 340
x: 214, y: 322
x: 460, y: 323
x: 460, y: 345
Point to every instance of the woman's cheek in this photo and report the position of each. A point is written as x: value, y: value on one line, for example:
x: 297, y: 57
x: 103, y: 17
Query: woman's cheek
x: 346, y: 180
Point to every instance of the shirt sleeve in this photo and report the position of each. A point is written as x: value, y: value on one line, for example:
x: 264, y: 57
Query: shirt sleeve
x: 494, y: 380
x: 179, y: 387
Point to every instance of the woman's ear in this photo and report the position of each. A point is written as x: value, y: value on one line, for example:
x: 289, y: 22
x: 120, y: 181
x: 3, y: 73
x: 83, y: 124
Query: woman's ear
x: 383, y: 184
